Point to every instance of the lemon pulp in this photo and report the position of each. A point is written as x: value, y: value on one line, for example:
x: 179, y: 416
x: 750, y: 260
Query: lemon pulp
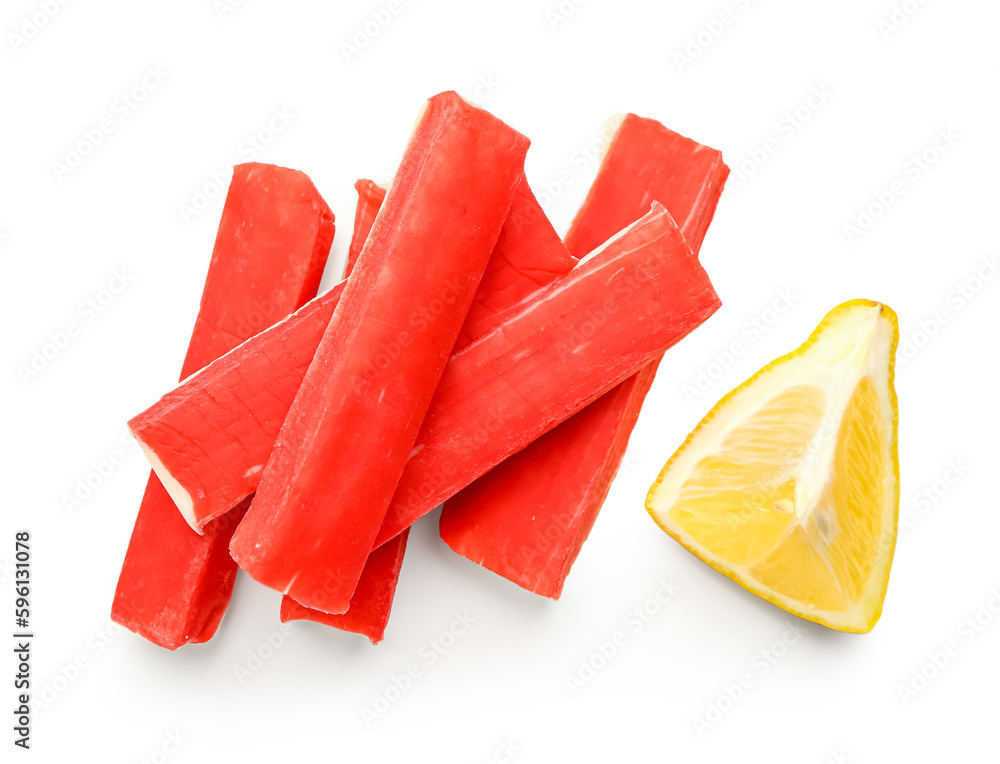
x: 790, y: 484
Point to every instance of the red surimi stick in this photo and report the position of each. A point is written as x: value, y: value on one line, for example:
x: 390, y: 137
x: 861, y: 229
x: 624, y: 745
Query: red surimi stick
x: 566, y: 345
x: 528, y: 518
x: 270, y: 250
x: 528, y: 254
x: 352, y: 425
x: 370, y: 198
x: 209, y: 438
x: 371, y: 602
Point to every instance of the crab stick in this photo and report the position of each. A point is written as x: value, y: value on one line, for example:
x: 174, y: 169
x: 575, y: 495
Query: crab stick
x: 353, y: 422
x: 370, y: 198
x: 528, y: 255
x: 372, y: 599
x: 528, y: 518
x: 561, y: 349
x: 371, y: 603
x: 270, y: 250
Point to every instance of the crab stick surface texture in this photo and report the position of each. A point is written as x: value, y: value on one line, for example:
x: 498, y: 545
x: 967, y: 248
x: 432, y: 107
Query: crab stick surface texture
x: 528, y: 518
x: 270, y: 251
x: 352, y: 425
x: 618, y: 309
x: 370, y: 198
x: 527, y: 256
x: 371, y: 602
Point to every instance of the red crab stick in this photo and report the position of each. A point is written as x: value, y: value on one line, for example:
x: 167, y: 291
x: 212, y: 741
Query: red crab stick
x: 528, y: 255
x: 352, y: 425
x: 269, y: 254
x: 210, y: 437
x: 371, y: 603
x: 372, y: 599
x: 370, y: 198
x: 528, y: 518
x: 562, y: 348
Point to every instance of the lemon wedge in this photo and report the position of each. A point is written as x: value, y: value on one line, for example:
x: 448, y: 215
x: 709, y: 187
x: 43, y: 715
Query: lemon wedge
x: 790, y: 484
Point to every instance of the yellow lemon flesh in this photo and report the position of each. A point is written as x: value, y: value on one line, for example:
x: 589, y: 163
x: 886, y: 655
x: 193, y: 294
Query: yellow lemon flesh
x: 790, y: 485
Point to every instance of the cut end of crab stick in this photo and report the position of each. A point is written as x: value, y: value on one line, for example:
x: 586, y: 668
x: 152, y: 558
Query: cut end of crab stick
x: 270, y: 250
x: 180, y: 497
x: 346, y: 438
x: 372, y: 600
x: 210, y: 437
x: 370, y: 198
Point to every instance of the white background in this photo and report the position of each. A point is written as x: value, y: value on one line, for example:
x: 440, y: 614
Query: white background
x: 832, y: 697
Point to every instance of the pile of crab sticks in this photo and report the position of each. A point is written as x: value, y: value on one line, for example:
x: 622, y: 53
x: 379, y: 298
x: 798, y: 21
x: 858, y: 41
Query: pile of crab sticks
x: 469, y: 357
